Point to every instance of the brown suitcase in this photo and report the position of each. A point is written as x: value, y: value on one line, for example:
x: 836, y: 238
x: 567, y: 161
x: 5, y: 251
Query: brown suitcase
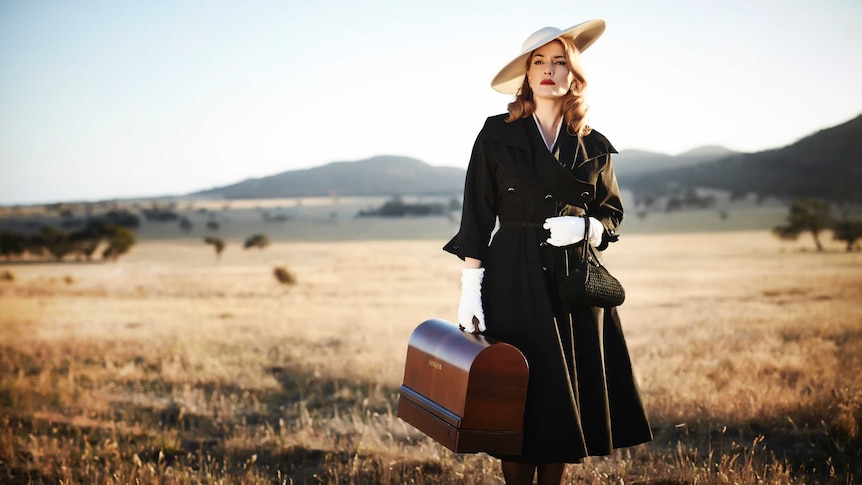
x: 465, y: 391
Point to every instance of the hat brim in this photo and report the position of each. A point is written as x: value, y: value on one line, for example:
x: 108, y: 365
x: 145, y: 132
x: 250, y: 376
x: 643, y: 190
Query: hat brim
x: 511, y: 77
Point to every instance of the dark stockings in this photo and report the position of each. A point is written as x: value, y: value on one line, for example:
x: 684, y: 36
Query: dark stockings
x: 522, y: 473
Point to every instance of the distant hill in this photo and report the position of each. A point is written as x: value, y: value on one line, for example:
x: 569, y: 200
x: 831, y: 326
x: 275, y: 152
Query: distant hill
x: 826, y: 164
x: 631, y: 163
x: 382, y: 175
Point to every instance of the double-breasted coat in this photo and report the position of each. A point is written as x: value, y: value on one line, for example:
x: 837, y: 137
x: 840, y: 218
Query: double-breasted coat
x: 582, y: 397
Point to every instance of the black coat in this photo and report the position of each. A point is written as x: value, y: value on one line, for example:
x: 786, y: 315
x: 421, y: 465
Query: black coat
x: 582, y: 397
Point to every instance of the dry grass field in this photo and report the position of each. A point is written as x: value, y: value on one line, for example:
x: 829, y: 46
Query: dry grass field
x: 171, y: 366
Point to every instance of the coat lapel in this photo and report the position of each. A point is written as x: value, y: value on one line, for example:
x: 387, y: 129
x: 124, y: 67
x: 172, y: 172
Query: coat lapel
x: 549, y: 172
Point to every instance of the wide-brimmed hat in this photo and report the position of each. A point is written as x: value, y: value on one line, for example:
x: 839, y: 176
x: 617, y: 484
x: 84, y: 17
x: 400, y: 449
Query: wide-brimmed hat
x: 510, y: 78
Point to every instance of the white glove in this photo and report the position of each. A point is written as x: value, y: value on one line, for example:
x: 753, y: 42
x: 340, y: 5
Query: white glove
x: 566, y: 230
x: 471, y: 300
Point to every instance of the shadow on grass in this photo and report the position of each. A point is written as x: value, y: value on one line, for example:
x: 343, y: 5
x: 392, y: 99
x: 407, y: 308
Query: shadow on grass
x: 155, y: 431
x: 146, y: 432
x: 805, y: 440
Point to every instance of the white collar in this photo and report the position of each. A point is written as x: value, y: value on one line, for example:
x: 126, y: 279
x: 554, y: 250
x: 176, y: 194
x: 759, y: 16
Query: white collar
x: 556, y: 133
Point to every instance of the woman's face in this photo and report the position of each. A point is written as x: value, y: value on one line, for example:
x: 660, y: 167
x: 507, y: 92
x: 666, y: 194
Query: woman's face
x: 549, y: 75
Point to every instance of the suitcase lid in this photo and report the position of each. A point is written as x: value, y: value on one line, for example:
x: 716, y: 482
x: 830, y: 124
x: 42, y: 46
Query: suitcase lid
x: 463, y: 374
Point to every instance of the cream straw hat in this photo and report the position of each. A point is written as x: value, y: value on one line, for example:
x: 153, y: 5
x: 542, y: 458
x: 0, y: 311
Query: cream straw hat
x: 510, y: 78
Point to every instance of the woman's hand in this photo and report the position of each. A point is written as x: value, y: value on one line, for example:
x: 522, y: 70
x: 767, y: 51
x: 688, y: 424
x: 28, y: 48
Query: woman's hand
x: 470, y: 307
x: 567, y: 230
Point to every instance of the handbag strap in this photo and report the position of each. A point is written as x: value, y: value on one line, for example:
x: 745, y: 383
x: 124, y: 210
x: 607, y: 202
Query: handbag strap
x: 586, y: 242
x: 587, y: 247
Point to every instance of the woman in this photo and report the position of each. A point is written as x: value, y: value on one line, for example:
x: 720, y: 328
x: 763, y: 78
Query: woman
x: 539, y: 169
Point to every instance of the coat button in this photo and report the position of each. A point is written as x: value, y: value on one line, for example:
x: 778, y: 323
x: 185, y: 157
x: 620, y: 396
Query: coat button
x: 543, y: 244
x: 548, y: 197
x: 544, y: 268
x: 584, y: 193
x: 456, y: 246
x: 511, y: 190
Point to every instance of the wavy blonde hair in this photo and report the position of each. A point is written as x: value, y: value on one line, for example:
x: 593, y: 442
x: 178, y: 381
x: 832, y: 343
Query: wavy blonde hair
x: 574, y: 106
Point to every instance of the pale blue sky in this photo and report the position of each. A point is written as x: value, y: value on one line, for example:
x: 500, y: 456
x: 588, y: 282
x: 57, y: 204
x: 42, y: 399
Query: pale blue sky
x: 115, y: 99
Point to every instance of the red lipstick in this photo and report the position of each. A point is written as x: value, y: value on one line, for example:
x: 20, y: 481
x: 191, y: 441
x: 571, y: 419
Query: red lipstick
x: 547, y: 82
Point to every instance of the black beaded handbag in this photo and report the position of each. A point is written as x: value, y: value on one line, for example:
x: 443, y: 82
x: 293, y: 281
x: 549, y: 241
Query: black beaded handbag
x: 588, y: 282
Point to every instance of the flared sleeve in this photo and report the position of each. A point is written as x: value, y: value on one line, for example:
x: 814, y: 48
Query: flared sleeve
x: 479, y: 210
x: 609, y: 204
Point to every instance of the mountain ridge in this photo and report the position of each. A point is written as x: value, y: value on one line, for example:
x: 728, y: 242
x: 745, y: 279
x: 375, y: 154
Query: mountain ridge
x: 825, y: 164
x: 821, y: 164
x: 633, y: 161
x: 379, y: 175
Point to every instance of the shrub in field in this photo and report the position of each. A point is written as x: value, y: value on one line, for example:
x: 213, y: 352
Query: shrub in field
x: 7, y: 276
x: 259, y: 241
x: 218, y: 244
x: 284, y: 276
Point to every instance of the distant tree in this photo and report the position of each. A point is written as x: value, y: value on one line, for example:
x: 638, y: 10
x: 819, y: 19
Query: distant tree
x: 259, y: 241
x: 396, y: 207
x: 267, y: 217
x: 806, y: 215
x: 88, y: 248
x: 212, y: 225
x: 737, y: 195
x: 87, y: 240
x: 56, y: 242
x: 123, y: 218
x: 120, y: 241
x: 218, y: 244
x: 36, y: 245
x: 71, y: 223
x: 849, y: 231
x: 687, y: 198
x: 12, y: 244
x: 185, y: 224
x: 159, y: 214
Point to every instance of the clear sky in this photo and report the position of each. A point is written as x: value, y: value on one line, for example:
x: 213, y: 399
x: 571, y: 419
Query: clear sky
x: 115, y: 99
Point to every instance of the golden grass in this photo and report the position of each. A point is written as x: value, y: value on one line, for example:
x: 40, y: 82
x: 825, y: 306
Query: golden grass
x: 172, y: 366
